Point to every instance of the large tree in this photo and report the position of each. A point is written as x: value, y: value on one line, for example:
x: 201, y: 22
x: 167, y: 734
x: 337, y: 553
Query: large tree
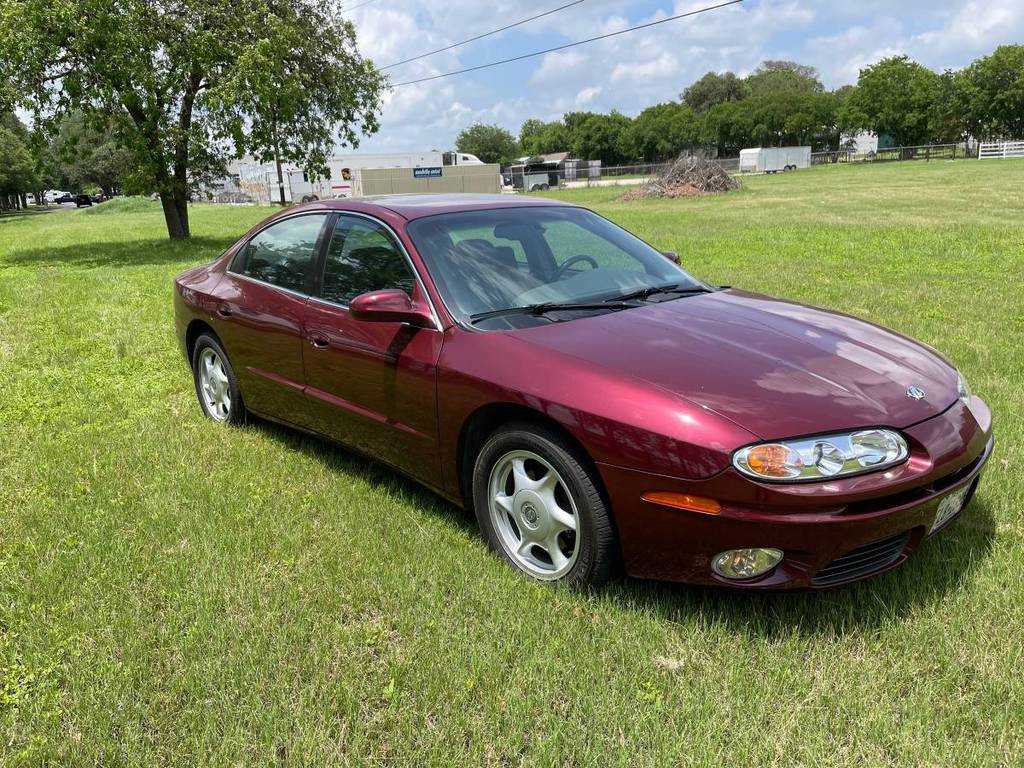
x: 989, y: 94
x: 896, y: 96
x: 539, y: 138
x: 17, y: 169
x: 712, y: 89
x: 491, y: 143
x: 86, y: 153
x: 594, y: 136
x: 661, y: 132
x: 198, y: 81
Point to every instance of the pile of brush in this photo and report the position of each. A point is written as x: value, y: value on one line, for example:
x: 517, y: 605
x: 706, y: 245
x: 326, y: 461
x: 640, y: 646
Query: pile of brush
x: 686, y: 177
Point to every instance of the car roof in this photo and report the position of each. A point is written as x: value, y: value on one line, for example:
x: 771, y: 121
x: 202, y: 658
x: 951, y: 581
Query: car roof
x: 417, y: 206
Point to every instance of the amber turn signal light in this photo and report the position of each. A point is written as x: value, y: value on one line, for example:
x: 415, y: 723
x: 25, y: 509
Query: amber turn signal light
x: 683, y: 501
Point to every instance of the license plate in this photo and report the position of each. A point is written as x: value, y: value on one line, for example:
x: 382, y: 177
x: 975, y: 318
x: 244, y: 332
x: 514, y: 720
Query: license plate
x: 949, y: 507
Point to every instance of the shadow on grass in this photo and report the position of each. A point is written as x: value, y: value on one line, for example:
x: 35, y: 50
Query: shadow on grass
x: 32, y: 210
x: 939, y: 566
x: 123, y: 254
x: 377, y: 475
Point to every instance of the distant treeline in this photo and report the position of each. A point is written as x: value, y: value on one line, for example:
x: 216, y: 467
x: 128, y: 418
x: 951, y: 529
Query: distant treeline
x: 785, y: 103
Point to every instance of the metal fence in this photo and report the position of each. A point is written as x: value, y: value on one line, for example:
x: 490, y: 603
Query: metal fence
x: 926, y: 152
x: 611, y: 174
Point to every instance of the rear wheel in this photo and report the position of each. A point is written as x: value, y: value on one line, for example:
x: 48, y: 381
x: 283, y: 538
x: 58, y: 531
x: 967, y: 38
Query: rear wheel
x: 216, y: 385
x: 539, y: 507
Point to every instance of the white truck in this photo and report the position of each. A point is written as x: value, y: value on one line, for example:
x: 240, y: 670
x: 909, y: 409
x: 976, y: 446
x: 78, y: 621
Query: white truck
x: 774, y: 159
x: 259, y: 180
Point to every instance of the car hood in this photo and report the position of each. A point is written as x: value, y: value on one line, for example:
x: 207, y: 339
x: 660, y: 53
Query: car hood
x: 776, y: 368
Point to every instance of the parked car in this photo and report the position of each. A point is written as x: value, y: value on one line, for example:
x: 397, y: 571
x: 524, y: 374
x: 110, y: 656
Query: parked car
x: 65, y: 197
x: 99, y: 198
x: 82, y: 200
x: 589, y: 399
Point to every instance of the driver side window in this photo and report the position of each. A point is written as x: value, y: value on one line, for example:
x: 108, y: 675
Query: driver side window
x: 282, y: 254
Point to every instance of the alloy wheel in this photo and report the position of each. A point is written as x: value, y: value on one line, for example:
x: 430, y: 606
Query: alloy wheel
x: 533, y: 514
x: 214, y: 385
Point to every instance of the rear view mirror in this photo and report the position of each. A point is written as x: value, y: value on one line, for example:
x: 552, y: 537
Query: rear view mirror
x: 671, y: 256
x: 390, y: 306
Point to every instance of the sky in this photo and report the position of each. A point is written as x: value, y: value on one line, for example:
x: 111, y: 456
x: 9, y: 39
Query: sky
x: 638, y: 69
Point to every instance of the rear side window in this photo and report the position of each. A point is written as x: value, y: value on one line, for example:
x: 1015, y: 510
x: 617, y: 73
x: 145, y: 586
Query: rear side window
x: 362, y: 256
x: 282, y: 254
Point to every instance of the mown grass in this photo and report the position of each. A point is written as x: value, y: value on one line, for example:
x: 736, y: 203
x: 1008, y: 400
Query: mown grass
x: 173, y: 592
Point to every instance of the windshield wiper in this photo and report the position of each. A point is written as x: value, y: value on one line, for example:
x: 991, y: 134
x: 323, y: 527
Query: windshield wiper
x: 548, y: 306
x: 652, y: 290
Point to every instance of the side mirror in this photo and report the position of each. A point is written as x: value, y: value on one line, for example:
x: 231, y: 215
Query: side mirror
x: 671, y: 256
x: 390, y: 306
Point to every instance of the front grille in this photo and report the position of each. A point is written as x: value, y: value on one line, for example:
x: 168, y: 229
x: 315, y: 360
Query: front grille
x: 862, y: 560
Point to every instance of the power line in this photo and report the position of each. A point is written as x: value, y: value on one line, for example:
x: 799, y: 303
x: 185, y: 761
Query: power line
x: 567, y: 45
x: 485, y: 34
x: 357, y: 5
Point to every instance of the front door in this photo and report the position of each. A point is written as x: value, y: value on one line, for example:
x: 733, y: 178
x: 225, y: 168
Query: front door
x: 372, y: 384
x: 259, y: 317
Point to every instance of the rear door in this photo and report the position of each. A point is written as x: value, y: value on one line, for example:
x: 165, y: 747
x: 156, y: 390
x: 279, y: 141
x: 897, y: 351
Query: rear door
x: 259, y: 318
x: 372, y: 384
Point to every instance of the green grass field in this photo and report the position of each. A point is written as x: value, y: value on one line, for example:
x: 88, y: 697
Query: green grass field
x: 177, y: 593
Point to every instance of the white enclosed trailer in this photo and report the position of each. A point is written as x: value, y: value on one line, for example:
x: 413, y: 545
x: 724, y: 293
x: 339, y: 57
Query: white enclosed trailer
x: 774, y: 159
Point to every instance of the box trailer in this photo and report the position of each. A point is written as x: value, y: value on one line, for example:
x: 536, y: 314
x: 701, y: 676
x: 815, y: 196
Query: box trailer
x: 774, y: 159
x: 447, y: 179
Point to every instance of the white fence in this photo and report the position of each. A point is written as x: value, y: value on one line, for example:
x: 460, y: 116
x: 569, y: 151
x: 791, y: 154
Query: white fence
x: 990, y: 149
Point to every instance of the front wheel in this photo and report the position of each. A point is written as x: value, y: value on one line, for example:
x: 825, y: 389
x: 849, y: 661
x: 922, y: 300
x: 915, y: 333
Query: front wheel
x: 216, y: 385
x: 538, y: 506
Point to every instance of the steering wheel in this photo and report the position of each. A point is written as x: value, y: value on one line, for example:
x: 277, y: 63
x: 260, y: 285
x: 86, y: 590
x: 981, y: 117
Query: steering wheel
x: 574, y: 260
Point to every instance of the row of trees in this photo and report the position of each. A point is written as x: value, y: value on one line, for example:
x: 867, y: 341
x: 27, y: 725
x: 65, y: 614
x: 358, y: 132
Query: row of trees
x: 785, y: 103
x: 78, y: 156
x: 184, y: 87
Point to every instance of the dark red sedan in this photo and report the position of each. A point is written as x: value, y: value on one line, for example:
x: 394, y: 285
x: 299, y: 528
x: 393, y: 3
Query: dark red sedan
x: 590, y: 400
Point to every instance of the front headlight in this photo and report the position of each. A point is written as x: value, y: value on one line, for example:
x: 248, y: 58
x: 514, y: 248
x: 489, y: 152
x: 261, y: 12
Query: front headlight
x: 963, y: 390
x: 822, y: 458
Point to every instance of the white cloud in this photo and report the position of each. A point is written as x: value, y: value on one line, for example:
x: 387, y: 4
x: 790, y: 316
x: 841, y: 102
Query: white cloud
x: 631, y: 71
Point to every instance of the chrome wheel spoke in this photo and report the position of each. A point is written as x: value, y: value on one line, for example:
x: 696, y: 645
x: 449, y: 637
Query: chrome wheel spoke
x: 504, y: 503
x: 525, y: 548
x: 564, y: 521
x: 558, y: 558
x: 520, y: 479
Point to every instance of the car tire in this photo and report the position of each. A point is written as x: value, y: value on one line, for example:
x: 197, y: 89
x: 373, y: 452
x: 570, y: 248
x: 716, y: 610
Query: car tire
x: 215, y: 382
x: 534, y: 494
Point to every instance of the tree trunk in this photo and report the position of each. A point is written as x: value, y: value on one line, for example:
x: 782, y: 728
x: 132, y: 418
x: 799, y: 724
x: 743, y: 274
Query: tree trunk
x: 177, y: 225
x: 280, y: 176
x: 174, y: 201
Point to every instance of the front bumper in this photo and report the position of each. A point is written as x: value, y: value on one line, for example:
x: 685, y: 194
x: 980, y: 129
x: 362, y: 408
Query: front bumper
x: 813, y: 524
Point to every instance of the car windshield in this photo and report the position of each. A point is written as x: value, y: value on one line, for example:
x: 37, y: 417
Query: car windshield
x: 487, y: 261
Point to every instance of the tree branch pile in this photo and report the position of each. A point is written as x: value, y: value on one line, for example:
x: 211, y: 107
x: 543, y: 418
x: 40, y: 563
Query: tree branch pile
x: 686, y: 177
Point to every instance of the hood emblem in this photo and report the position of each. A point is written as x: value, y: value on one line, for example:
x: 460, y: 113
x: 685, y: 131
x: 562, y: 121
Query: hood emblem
x: 915, y: 393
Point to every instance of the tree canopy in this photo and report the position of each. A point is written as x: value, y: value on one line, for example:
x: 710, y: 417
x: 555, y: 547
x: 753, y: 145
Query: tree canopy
x: 989, y: 94
x: 196, y: 83
x: 490, y: 143
x: 712, y: 89
x: 898, y: 97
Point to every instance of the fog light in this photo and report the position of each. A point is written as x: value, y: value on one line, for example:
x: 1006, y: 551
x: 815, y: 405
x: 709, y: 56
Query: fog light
x: 745, y: 563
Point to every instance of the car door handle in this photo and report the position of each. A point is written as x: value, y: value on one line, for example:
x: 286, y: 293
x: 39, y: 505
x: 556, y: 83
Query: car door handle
x: 224, y: 310
x: 320, y: 342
